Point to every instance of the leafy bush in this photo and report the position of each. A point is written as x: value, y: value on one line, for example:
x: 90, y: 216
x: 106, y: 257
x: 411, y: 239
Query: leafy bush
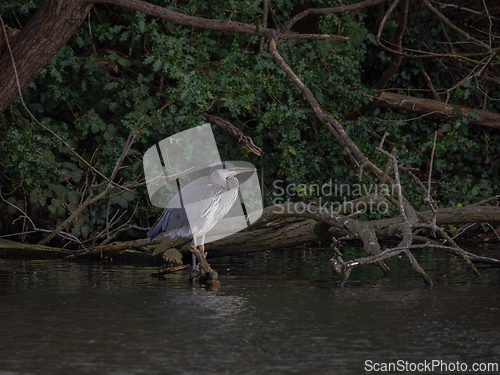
x: 123, y: 67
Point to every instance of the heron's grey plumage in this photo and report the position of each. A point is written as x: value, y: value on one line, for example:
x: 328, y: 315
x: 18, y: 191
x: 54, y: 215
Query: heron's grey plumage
x: 212, y: 196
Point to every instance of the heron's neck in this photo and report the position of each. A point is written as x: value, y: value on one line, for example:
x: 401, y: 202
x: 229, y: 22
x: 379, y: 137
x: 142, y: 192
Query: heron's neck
x: 231, y: 183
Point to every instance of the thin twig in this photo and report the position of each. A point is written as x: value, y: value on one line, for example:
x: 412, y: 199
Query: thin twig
x: 35, y: 228
x: 429, y: 187
x: 339, y: 9
x: 90, y: 199
x: 429, y: 83
x: 447, y: 22
x: 316, y: 36
x: 444, y: 5
x: 491, y: 199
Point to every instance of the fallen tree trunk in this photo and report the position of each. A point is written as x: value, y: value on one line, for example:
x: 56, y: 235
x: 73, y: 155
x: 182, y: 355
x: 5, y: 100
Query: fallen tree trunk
x: 17, y: 250
x: 278, y: 234
x: 279, y: 227
x: 446, y: 216
x: 273, y: 235
x: 437, y: 109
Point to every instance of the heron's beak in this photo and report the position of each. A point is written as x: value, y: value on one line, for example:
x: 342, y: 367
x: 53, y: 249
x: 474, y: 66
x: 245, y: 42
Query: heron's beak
x: 237, y: 170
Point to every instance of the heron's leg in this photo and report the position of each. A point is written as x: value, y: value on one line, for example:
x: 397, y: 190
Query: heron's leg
x: 200, y: 254
x: 202, y: 245
x: 196, y: 271
x: 193, y: 246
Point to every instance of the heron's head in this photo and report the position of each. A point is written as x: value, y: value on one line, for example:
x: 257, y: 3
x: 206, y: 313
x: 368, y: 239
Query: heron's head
x: 223, y: 171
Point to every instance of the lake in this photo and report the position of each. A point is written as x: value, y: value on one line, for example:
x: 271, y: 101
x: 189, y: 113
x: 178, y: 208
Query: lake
x: 276, y: 312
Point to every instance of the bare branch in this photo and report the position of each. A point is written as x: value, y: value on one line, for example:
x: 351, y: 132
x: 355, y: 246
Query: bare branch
x: 264, y: 23
x: 187, y: 20
x: 398, y: 40
x: 430, y: 167
x: 429, y: 83
x: 454, y: 6
x: 436, y: 109
x: 90, y: 199
x: 398, y: 182
x: 490, y: 36
x: 344, y: 8
x: 234, y: 132
x: 331, y: 123
x: 447, y: 22
x: 316, y: 36
x: 491, y: 199
x: 35, y: 228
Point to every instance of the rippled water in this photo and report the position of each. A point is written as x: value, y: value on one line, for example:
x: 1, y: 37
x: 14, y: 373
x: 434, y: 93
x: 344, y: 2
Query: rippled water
x: 275, y: 313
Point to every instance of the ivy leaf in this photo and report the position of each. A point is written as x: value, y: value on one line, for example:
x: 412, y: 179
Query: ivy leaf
x: 73, y: 196
x: 123, y: 61
x: 33, y: 196
x: 128, y: 195
x: 475, y: 190
x: 157, y: 65
x: 142, y: 25
x: 475, y: 116
x: 120, y: 200
x: 77, y: 175
x: 356, y: 32
x: 69, y: 165
x: 42, y: 200
x: 112, y: 55
x: 110, y: 86
x: 85, y: 231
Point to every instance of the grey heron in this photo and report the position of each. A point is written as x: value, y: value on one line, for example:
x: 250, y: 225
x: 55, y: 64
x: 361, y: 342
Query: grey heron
x: 210, y: 198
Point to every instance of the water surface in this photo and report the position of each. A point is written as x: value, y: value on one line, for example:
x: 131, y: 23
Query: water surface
x: 277, y: 312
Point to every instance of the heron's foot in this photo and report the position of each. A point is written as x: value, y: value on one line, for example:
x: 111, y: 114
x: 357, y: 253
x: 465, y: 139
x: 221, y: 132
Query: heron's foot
x: 196, y: 274
x: 206, y: 272
x: 214, y: 283
x: 204, y: 278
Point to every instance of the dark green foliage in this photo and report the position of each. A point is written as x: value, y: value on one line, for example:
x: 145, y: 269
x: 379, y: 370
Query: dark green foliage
x: 123, y: 68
